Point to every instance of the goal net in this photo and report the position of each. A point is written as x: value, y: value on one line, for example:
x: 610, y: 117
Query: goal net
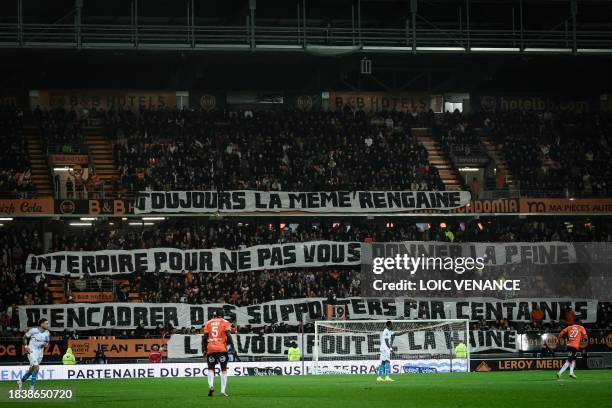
x: 418, y: 346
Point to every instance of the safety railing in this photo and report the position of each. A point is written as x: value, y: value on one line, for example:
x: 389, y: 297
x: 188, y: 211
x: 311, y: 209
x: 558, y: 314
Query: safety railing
x: 148, y: 36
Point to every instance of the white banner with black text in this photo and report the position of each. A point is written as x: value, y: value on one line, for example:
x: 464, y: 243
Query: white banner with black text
x: 293, y: 255
x: 283, y: 201
x: 88, y: 316
x: 353, y: 345
x: 173, y: 260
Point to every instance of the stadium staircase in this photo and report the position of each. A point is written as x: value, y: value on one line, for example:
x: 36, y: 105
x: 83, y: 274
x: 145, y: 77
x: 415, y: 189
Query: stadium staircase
x: 101, y: 153
x: 497, y: 156
x: 448, y: 173
x: 56, y: 287
x: 39, y: 164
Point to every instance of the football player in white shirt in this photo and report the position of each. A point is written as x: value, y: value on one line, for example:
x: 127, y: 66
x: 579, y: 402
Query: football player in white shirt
x: 386, y: 347
x: 35, y: 341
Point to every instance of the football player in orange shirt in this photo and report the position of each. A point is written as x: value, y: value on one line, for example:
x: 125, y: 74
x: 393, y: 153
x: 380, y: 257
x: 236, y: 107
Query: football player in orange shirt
x: 217, y: 336
x: 575, y: 335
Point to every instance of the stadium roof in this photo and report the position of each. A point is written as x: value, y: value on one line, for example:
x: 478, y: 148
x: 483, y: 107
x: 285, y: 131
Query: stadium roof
x: 212, y: 45
x: 312, y: 26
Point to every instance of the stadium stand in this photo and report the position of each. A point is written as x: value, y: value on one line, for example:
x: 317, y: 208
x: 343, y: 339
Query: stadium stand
x: 186, y: 149
x: 15, y: 173
x: 246, y: 288
x: 275, y: 190
x: 279, y: 150
x: 560, y: 154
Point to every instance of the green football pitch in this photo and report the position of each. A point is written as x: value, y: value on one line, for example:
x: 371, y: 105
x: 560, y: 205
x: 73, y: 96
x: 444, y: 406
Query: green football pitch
x: 491, y: 390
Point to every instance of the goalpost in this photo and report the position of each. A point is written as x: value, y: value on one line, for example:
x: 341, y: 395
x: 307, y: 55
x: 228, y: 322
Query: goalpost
x: 352, y: 346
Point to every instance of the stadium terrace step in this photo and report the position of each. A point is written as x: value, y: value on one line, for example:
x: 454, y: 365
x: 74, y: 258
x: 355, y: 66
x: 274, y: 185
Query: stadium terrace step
x: 436, y: 158
x: 39, y: 165
x: 56, y: 287
x: 496, y: 154
x: 101, y: 152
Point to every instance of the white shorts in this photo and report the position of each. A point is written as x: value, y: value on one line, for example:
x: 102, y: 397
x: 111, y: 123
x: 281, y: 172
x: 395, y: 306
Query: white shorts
x: 35, y: 358
x: 385, y: 355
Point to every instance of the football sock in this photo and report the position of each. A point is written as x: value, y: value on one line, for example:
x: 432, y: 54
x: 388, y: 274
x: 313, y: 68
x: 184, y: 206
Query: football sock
x: 387, y: 368
x: 223, y: 381
x: 211, y: 378
x: 33, y: 378
x: 25, y: 376
x: 381, y: 369
x: 563, y: 368
x: 572, y: 365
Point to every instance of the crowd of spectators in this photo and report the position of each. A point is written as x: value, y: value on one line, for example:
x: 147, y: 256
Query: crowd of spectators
x: 15, y: 174
x: 457, y: 135
x: 561, y: 154
x: 187, y: 234
x: 269, y: 150
x: 292, y: 150
x: 16, y: 286
x: 59, y: 128
x: 246, y: 288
